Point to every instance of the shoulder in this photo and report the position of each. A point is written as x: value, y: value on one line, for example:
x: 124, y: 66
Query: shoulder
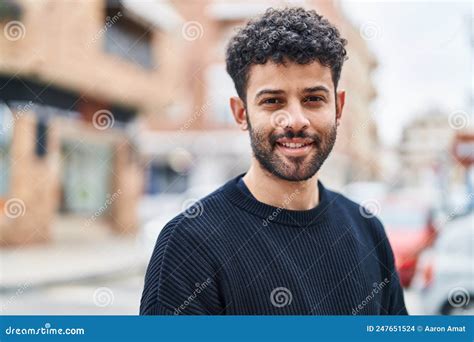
x: 198, y: 221
x: 364, y: 216
x: 365, y: 225
x: 185, y: 242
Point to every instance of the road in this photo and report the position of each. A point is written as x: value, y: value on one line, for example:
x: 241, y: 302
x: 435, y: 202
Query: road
x: 113, y: 296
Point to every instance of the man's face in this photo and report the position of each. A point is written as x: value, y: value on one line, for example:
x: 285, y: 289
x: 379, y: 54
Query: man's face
x: 291, y: 117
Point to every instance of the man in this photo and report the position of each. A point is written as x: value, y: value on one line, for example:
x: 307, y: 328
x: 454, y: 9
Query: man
x: 275, y: 240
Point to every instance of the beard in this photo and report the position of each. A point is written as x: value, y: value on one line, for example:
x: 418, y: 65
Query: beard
x: 293, y: 169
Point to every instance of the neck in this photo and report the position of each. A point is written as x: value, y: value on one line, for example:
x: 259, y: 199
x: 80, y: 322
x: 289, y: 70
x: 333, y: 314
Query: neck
x: 271, y: 190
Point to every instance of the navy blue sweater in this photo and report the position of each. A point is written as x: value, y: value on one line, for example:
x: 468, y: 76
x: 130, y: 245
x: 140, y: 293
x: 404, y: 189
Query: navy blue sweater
x: 231, y: 254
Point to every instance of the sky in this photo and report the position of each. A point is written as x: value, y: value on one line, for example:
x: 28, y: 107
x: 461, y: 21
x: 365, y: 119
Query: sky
x: 424, y: 55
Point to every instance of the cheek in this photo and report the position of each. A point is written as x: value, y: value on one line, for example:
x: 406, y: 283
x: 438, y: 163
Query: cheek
x: 262, y: 132
x: 323, y: 120
x: 261, y: 126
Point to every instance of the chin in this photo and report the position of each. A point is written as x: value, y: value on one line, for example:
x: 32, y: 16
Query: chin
x: 295, y: 176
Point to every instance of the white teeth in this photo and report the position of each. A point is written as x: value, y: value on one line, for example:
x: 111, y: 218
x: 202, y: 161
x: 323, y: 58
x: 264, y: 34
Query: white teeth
x: 293, y: 145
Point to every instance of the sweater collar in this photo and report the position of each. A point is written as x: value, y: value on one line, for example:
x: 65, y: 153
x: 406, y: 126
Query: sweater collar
x: 270, y: 214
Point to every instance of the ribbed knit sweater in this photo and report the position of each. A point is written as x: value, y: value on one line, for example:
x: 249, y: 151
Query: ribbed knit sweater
x: 231, y: 254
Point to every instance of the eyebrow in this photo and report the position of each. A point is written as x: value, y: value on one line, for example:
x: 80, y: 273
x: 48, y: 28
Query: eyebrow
x: 279, y: 91
x: 269, y: 92
x: 315, y: 89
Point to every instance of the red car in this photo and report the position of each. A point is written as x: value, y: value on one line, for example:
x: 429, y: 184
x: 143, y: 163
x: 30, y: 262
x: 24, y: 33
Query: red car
x: 410, y: 229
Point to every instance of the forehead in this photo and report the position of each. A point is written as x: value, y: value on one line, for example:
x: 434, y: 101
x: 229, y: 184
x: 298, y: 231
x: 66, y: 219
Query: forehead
x: 288, y: 77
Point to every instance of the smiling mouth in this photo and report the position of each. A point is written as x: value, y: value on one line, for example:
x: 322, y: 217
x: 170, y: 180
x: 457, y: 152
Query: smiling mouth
x: 295, y: 147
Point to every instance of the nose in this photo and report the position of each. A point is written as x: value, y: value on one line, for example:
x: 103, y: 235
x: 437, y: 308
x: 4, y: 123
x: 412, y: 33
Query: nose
x: 297, y: 118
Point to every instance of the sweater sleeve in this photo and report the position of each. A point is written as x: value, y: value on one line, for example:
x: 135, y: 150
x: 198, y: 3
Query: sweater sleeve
x: 395, y: 302
x: 180, y: 278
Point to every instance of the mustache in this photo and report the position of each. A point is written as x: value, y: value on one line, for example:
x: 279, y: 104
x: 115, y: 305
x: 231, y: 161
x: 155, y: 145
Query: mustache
x: 290, y: 135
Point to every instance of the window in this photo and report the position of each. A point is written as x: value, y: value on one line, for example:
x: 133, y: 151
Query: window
x: 127, y: 38
x: 220, y: 89
x: 6, y: 127
x: 4, y: 170
x: 41, y: 146
x: 9, y: 10
x: 162, y: 178
x: 86, y: 174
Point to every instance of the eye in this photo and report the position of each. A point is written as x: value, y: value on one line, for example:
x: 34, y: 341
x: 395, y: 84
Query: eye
x: 272, y: 100
x: 313, y: 99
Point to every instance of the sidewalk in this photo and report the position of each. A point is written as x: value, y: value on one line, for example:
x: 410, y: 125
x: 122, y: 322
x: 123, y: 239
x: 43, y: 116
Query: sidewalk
x: 76, y: 253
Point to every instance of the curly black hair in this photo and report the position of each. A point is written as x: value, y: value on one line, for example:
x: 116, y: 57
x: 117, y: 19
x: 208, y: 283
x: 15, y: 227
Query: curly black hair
x: 293, y: 34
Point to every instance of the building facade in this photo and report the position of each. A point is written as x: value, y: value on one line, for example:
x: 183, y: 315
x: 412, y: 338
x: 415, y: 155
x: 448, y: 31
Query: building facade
x: 76, y: 77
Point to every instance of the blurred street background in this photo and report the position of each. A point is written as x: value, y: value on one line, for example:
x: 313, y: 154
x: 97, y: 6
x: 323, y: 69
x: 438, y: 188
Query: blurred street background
x: 114, y: 117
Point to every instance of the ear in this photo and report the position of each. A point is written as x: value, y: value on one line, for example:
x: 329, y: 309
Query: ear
x: 239, y: 112
x: 340, y: 100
